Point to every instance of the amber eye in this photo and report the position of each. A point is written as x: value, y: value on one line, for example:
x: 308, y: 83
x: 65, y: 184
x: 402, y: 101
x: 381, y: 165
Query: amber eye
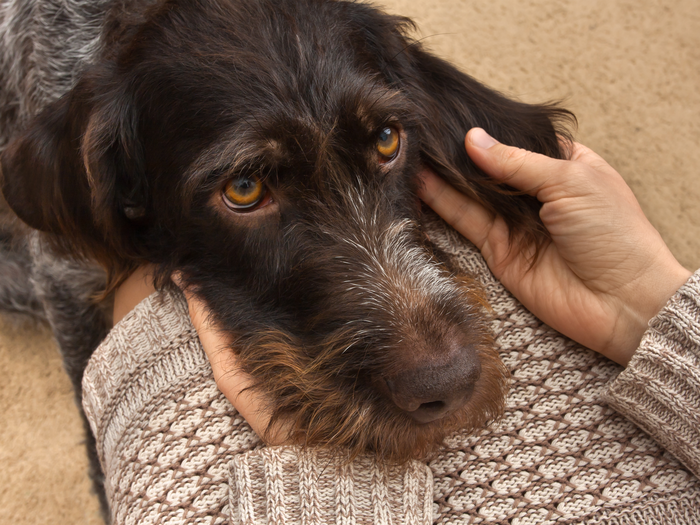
x: 388, y: 143
x: 244, y: 192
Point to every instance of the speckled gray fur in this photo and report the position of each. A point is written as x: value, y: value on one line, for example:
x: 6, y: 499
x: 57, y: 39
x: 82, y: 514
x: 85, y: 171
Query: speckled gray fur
x: 44, y: 44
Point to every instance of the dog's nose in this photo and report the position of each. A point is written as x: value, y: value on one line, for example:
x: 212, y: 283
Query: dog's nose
x: 432, y: 390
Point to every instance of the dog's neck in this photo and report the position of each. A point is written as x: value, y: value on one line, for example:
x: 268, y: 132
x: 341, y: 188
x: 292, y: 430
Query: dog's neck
x: 135, y: 289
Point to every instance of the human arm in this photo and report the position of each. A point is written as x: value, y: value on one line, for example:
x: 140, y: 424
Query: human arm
x: 605, y: 280
x: 606, y: 272
x: 291, y: 484
x: 282, y: 483
x: 170, y: 442
x: 230, y: 379
x: 660, y: 388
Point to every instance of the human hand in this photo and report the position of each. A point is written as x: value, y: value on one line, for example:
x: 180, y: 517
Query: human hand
x: 233, y: 382
x: 606, y: 271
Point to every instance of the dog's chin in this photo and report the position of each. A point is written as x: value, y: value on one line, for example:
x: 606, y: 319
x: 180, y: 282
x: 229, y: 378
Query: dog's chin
x: 397, y: 440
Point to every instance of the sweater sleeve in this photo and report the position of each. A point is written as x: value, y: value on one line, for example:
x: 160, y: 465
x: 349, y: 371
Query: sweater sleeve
x: 302, y: 486
x: 660, y: 388
x: 174, y: 450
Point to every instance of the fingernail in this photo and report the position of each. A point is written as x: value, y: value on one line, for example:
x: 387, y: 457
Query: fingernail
x: 479, y: 138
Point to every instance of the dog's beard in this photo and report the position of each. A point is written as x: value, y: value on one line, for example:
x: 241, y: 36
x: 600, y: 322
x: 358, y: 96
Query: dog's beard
x: 373, y: 292
x: 322, y: 397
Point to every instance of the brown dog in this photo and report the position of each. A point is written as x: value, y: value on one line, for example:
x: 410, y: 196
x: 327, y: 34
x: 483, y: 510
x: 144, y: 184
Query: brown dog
x: 268, y: 151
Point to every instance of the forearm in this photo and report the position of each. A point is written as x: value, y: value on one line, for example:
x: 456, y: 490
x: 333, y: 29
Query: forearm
x: 660, y: 389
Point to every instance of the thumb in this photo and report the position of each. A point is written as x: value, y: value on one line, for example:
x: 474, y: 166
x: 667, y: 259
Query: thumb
x: 524, y: 170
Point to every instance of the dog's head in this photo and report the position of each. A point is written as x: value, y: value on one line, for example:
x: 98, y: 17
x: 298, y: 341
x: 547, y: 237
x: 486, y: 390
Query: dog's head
x: 268, y: 150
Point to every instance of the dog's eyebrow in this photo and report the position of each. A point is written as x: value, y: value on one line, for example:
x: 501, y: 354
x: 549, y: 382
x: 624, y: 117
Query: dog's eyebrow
x: 374, y: 106
x: 246, y: 146
x: 235, y: 150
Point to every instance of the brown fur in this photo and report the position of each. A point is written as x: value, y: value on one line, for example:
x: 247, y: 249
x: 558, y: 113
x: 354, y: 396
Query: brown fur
x: 341, y: 309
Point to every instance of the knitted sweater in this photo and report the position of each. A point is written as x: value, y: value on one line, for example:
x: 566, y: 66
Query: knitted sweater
x: 580, y: 441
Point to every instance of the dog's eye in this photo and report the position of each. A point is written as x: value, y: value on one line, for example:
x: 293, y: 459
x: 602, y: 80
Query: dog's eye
x: 244, y: 192
x: 388, y: 143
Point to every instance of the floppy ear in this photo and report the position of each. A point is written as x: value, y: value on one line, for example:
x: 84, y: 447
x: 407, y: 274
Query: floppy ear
x: 76, y: 171
x: 451, y: 103
x: 42, y: 176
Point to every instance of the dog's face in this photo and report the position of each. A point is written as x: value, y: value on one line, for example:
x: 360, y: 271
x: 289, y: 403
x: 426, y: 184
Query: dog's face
x: 268, y: 151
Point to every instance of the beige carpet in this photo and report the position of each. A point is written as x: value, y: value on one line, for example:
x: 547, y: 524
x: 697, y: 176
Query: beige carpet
x: 630, y: 71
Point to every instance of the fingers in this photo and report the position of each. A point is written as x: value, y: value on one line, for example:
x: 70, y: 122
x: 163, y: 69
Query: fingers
x: 465, y: 215
x: 489, y: 233
x: 211, y: 339
x: 216, y: 345
x: 233, y: 382
x: 527, y: 171
x: 230, y: 379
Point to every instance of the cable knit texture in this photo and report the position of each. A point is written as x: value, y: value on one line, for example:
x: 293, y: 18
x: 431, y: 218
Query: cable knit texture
x: 175, y: 451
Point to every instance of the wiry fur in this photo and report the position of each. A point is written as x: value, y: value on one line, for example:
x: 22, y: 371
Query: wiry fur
x: 334, y: 297
x: 44, y: 46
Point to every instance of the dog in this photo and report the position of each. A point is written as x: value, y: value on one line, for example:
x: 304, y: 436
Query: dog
x: 269, y: 152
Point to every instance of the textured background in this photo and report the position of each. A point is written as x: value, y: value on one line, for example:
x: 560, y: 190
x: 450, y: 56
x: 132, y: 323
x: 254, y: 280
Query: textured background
x: 628, y: 69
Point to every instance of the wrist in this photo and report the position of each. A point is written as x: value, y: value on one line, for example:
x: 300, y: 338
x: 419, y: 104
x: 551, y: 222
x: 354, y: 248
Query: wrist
x: 639, y: 306
x: 132, y: 291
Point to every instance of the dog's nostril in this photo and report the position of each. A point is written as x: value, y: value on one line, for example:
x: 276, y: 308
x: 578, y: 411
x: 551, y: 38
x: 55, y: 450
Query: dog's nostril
x: 432, y: 406
x: 434, y: 410
x: 424, y: 409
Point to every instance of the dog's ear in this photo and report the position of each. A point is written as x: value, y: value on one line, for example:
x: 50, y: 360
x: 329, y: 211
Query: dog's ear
x: 450, y: 103
x: 76, y: 171
x: 41, y: 171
